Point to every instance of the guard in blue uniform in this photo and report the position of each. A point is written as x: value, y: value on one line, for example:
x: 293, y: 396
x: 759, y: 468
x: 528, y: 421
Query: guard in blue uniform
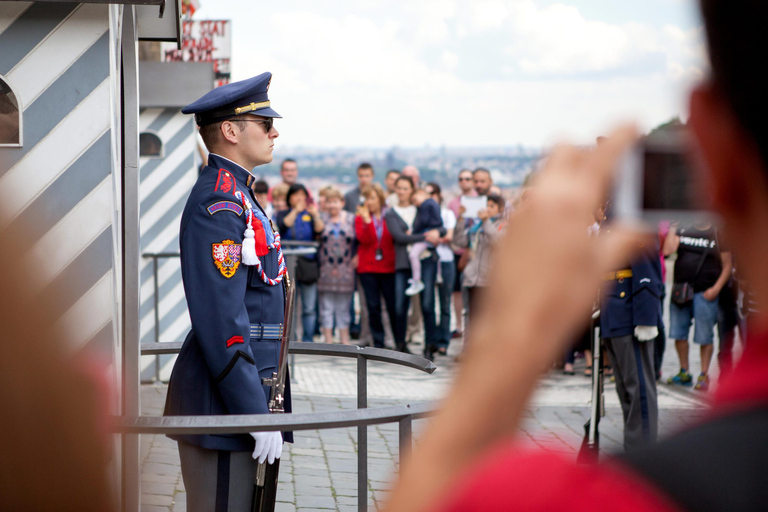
x: 630, y: 320
x: 232, y: 268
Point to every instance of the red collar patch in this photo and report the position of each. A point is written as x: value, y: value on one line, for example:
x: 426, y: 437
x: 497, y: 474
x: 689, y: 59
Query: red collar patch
x: 225, y: 182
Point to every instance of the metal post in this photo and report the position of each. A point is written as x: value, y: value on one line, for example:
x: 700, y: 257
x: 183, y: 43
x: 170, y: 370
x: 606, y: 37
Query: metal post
x: 405, y: 425
x: 362, y: 435
x: 156, y: 300
x: 130, y: 491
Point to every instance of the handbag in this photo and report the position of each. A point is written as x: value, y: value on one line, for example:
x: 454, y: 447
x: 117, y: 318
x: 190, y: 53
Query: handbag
x: 682, y: 293
x: 463, y: 260
x: 307, y: 270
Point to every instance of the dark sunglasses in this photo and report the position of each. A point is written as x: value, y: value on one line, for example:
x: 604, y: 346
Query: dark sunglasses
x: 268, y: 122
x: 465, y: 178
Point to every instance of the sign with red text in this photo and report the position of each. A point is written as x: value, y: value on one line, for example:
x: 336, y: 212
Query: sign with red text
x: 204, y: 41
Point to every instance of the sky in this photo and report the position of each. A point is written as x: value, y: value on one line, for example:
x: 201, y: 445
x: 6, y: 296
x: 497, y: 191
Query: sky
x: 410, y: 73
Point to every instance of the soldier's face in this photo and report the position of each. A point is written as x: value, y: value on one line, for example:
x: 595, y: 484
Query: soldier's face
x: 259, y: 143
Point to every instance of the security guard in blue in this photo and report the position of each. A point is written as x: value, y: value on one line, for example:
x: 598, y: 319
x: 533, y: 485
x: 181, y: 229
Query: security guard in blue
x: 630, y: 320
x: 232, y: 268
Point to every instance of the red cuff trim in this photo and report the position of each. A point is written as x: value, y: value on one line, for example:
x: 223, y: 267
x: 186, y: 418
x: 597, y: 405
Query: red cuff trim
x: 234, y: 339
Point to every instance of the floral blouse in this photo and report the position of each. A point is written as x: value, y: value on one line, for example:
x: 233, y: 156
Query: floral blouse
x: 335, y: 254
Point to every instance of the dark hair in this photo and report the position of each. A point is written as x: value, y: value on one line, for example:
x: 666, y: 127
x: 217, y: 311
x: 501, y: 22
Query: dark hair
x: 496, y: 198
x: 481, y: 169
x: 365, y: 166
x: 436, y: 190
x: 737, y: 39
x: 287, y: 161
x: 406, y: 178
x: 260, y: 187
x: 393, y: 171
x: 296, y: 187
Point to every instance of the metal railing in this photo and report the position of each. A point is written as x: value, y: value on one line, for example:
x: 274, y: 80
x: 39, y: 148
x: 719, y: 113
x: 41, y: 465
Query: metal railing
x: 361, y: 417
x: 291, y: 249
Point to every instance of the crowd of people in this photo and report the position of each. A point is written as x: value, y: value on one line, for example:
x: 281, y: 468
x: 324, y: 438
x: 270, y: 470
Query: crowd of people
x: 401, y: 255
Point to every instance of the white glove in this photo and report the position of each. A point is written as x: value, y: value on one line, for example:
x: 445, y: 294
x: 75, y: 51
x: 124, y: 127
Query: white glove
x: 269, y: 446
x: 646, y: 332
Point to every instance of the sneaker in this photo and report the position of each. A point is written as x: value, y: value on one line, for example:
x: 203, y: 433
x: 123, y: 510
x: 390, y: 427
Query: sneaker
x: 702, y: 383
x: 681, y: 379
x: 416, y: 287
x: 457, y: 334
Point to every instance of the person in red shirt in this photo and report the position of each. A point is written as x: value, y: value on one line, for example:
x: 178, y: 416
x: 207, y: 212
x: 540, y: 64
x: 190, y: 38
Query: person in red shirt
x: 469, y: 459
x: 375, y: 259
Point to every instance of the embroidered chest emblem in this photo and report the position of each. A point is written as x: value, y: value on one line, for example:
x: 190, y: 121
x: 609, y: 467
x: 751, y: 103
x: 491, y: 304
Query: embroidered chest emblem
x: 226, y: 256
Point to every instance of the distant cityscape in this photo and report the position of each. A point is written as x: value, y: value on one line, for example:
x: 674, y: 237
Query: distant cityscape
x: 319, y: 166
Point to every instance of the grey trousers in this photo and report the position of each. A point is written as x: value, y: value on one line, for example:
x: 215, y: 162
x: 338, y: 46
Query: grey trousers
x: 636, y: 386
x: 217, y: 480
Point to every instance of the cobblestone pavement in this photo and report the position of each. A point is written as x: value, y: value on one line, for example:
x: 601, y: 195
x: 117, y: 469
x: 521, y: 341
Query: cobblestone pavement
x: 319, y: 471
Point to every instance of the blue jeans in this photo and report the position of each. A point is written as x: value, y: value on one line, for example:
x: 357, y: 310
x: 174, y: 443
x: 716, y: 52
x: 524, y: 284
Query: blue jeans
x: 702, y: 311
x: 402, y: 301
x: 445, y: 290
x: 308, y: 294
x: 429, y: 277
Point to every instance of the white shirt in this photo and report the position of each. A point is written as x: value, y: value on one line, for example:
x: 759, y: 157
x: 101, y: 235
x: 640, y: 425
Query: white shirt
x: 407, y: 213
x: 444, y: 251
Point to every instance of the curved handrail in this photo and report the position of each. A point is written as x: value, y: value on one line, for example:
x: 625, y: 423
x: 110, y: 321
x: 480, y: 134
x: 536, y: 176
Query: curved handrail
x: 322, y: 349
x: 244, y: 423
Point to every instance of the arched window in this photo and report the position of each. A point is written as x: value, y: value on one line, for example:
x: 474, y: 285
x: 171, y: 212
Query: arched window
x: 150, y: 145
x: 10, y: 117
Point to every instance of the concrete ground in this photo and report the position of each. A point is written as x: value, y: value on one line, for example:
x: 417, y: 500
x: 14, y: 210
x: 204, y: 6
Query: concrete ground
x: 319, y: 471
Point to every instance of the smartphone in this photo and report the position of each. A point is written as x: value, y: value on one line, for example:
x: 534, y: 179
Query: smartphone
x: 655, y: 182
x: 361, y: 200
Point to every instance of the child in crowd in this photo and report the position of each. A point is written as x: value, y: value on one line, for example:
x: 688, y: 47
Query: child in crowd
x: 427, y: 217
x: 261, y: 191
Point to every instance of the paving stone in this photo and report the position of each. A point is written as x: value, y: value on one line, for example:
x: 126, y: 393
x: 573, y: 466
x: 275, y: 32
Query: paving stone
x: 285, y: 507
x: 154, y: 508
x: 315, y: 502
x: 167, y: 489
x: 156, y: 499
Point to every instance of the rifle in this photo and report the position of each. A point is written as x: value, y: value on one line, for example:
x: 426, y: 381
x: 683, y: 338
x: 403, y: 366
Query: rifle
x: 590, y: 446
x: 265, y: 486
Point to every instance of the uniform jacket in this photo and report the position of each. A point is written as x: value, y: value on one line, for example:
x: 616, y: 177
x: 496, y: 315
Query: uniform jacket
x: 629, y: 302
x: 224, y: 357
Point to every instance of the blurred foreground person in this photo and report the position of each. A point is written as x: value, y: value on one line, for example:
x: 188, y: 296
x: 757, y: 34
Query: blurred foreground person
x: 544, y: 275
x: 54, y: 444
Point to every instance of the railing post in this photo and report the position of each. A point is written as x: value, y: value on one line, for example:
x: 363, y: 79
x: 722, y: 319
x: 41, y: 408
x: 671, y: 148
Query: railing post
x: 362, y: 435
x: 156, y: 300
x: 405, y: 430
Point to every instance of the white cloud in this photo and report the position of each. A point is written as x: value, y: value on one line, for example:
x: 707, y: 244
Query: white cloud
x: 384, y: 73
x: 488, y: 14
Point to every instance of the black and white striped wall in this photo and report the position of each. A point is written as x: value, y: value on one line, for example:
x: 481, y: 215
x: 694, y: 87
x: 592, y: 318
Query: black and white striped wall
x: 165, y: 185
